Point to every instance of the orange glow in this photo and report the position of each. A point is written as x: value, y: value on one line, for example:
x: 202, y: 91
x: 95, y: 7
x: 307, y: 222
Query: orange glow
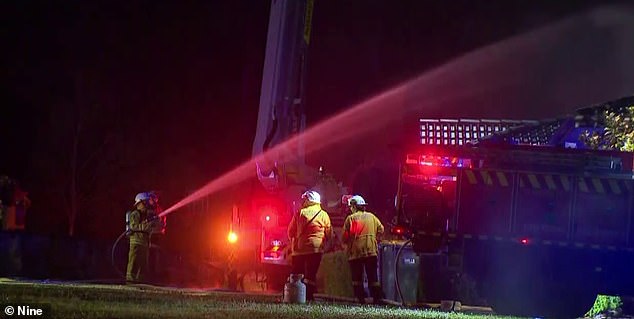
x: 232, y: 237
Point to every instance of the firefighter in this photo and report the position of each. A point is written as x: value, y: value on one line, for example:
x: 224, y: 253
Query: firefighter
x: 142, y: 220
x: 309, y: 231
x: 360, y: 232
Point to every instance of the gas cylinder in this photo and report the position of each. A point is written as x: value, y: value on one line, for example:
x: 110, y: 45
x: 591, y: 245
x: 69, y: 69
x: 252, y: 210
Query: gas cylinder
x: 295, y: 289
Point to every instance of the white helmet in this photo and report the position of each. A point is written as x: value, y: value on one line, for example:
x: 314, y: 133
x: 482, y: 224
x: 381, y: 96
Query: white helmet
x: 357, y: 200
x: 312, y: 196
x: 143, y: 197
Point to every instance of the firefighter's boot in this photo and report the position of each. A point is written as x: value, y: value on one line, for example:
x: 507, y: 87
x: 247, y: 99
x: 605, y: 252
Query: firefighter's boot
x: 310, y: 290
x: 377, y: 293
x: 359, y: 293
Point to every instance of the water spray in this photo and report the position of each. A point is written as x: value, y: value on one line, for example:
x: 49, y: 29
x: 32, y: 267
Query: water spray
x: 512, y: 72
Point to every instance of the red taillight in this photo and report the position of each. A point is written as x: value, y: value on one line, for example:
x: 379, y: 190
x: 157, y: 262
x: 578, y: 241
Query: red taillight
x: 524, y: 241
x: 398, y: 230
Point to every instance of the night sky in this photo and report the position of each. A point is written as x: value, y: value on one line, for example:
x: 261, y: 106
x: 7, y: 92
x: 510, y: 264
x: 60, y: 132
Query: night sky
x: 168, y: 91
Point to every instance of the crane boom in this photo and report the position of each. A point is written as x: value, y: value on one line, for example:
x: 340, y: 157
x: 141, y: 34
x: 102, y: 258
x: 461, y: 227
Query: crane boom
x: 281, y: 111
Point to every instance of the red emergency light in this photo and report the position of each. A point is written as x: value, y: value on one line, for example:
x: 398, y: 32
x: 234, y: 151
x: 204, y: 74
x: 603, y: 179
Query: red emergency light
x: 437, y: 161
x: 269, y: 220
x: 270, y: 211
x: 399, y: 230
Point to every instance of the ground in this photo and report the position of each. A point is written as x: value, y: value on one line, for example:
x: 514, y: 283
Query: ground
x: 74, y: 300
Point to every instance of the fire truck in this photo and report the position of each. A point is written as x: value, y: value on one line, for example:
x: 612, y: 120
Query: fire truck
x: 515, y: 214
x: 519, y: 215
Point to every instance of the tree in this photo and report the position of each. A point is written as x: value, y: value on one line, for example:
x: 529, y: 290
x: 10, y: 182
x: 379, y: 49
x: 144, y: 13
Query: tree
x: 607, y: 305
x: 84, y: 147
x: 619, y: 129
x: 618, y: 133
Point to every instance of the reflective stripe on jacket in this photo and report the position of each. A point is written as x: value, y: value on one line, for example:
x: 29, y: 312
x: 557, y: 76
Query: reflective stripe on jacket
x: 309, y: 238
x: 359, y: 232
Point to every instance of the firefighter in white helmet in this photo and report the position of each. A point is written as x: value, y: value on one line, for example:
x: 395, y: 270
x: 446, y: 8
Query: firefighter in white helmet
x: 141, y: 221
x: 309, y: 230
x: 360, y: 232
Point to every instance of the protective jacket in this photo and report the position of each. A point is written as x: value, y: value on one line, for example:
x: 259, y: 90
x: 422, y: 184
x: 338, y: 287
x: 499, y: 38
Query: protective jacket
x: 308, y: 236
x: 360, y: 232
x: 140, y: 228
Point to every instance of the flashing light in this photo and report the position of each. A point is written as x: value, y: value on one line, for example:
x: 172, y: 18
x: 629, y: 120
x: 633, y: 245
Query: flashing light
x: 269, y: 217
x: 398, y: 230
x: 232, y: 237
x: 524, y: 241
x: 438, y: 161
x: 411, y: 161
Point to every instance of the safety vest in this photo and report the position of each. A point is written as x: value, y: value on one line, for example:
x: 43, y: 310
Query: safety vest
x: 359, y: 232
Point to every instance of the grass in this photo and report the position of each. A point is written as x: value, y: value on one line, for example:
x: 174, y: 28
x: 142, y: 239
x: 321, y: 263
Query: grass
x: 115, y: 301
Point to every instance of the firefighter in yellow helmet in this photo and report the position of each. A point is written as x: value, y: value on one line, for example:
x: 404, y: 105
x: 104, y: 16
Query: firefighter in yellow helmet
x: 141, y: 222
x: 309, y: 230
x: 360, y: 232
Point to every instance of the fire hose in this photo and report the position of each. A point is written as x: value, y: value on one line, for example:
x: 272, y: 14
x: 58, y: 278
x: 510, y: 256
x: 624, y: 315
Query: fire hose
x: 398, y: 285
x: 114, y: 248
